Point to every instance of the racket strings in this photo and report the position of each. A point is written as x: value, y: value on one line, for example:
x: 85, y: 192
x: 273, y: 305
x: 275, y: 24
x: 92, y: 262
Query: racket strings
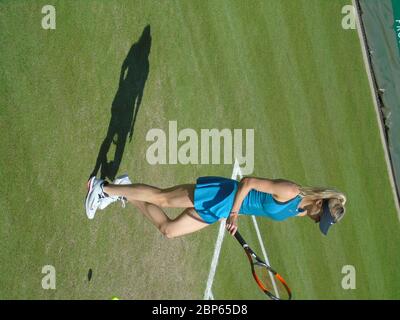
x: 272, y: 283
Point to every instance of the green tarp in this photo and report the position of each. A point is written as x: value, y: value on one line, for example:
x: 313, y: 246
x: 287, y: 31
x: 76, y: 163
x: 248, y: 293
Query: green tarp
x: 381, y: 21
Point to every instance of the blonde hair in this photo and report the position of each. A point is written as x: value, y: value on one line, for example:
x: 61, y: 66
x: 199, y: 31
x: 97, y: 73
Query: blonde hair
x: 337, y: 200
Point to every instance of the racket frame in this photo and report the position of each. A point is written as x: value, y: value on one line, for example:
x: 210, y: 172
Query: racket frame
x: 254, y: 259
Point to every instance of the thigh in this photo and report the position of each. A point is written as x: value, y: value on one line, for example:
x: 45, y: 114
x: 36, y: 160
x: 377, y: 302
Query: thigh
x: 187, y: 222
x: 180, y: 196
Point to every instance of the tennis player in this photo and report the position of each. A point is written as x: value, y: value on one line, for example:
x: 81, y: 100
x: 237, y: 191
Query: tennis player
x: 214, y: 198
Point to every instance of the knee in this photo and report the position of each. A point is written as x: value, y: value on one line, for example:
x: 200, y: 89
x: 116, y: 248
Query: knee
x: 169, y: 235
x: 167, y: 232
x: 162, y: 200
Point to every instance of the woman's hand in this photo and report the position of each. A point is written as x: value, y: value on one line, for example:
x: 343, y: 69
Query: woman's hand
x: 231, y: 223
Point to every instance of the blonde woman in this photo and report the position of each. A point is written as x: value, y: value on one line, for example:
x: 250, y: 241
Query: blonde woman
x: 213, y: 198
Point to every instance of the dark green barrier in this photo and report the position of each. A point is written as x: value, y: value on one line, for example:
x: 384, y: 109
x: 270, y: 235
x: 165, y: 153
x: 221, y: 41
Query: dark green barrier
x: 380, y: 18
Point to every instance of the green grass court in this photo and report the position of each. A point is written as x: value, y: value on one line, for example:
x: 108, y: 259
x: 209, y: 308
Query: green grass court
x: 285, y: 68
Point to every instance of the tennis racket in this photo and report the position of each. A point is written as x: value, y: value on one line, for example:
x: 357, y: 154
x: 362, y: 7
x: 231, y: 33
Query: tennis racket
x: 269, y: 281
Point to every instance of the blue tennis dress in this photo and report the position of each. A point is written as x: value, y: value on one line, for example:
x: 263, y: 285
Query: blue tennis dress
x: 214, y: 197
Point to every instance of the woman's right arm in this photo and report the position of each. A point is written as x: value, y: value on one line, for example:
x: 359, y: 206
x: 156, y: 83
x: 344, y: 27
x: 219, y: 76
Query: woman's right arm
x: 243, y: 189
x: 282, y: 190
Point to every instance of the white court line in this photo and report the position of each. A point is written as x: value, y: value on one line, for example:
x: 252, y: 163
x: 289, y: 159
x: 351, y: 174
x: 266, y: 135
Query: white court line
x: 207, y: 293
x: 214, y: 262
x: 265, y: 254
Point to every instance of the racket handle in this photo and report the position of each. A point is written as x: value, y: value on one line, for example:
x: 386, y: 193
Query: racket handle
x: 240, y: 239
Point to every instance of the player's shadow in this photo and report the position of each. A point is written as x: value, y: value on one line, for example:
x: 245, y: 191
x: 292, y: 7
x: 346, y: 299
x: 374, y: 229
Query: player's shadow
x: 125, y: 106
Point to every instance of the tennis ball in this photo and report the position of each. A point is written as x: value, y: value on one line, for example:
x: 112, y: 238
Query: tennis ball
x: 114, y: 298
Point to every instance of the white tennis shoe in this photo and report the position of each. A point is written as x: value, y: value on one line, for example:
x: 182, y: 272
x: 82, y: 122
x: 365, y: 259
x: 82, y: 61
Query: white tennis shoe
x: 94, y: 195
x: 106, y: 201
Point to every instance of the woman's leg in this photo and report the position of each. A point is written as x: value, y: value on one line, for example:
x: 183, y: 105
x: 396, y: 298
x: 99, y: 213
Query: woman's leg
x: 187, y: 222
x: 181, y: 196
